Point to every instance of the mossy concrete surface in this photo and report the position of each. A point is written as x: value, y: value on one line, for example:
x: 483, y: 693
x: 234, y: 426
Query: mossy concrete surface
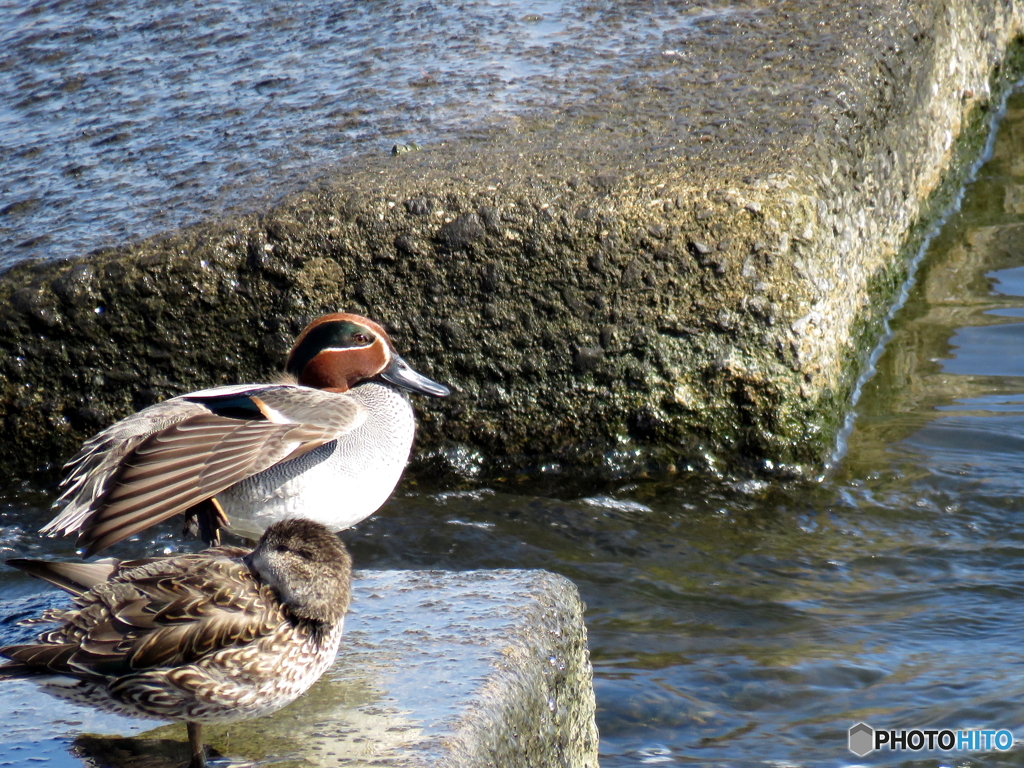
x: 437, y: 670
x: 685, y: 266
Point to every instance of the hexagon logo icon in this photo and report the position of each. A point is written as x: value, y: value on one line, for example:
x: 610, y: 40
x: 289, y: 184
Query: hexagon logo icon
x: 862, y: 739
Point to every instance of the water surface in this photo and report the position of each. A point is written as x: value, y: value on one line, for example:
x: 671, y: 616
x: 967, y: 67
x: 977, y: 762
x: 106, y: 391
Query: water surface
x: 119, y: 120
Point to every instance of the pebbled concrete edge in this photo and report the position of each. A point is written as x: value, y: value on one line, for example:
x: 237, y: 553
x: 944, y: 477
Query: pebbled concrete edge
x: 856, y: 217
x: 538, y: 707
x: 608, y: 323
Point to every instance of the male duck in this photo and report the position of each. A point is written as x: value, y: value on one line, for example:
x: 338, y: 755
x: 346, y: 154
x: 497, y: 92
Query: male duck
x: 213, y: 637
x: 330, y: 444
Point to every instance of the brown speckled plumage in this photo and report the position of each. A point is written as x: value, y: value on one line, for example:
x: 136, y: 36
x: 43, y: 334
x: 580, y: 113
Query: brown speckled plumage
x: 222, y: 635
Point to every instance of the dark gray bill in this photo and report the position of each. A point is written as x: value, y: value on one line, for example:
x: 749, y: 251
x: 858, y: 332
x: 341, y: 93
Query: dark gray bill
x: 401, y: 375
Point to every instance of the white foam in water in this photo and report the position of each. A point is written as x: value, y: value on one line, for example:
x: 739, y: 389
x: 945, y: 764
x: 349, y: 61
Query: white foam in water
x: 617, y: 505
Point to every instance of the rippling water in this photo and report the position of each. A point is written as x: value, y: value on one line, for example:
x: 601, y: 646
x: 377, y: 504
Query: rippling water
x: 731, y: 624
x: 119, y: 120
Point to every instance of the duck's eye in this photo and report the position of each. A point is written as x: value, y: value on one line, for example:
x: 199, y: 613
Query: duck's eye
x: 361, y: 338
x: 280, y: 548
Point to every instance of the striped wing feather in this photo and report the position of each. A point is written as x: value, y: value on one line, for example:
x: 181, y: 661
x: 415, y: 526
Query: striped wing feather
x: 195, y: 456
x: 155, y: 615
x: 89, y: 470
x: 75, y: 578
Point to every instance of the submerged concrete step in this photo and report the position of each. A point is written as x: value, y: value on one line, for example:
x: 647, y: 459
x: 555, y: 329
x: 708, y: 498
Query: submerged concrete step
x: 462, y: 670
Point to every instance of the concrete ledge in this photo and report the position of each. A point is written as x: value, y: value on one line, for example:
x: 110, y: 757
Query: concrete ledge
x: 453, y: 670
x: 687, y: 267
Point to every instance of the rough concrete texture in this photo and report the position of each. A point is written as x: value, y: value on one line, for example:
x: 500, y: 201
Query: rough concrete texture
x: 684, y: 266
x: 449, y: 670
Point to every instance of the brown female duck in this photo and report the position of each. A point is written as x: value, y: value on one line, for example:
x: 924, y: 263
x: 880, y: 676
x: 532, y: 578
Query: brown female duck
x: 213, y: 637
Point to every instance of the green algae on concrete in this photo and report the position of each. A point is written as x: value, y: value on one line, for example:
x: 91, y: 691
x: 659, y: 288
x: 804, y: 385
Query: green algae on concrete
x: 687, y: 267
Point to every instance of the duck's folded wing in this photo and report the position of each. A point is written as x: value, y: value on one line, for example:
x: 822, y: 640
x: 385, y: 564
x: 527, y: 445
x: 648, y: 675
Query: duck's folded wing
x: 89, y: 471
x: 162, y: 614
x: 181, y: 617
x: 233, y: 436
